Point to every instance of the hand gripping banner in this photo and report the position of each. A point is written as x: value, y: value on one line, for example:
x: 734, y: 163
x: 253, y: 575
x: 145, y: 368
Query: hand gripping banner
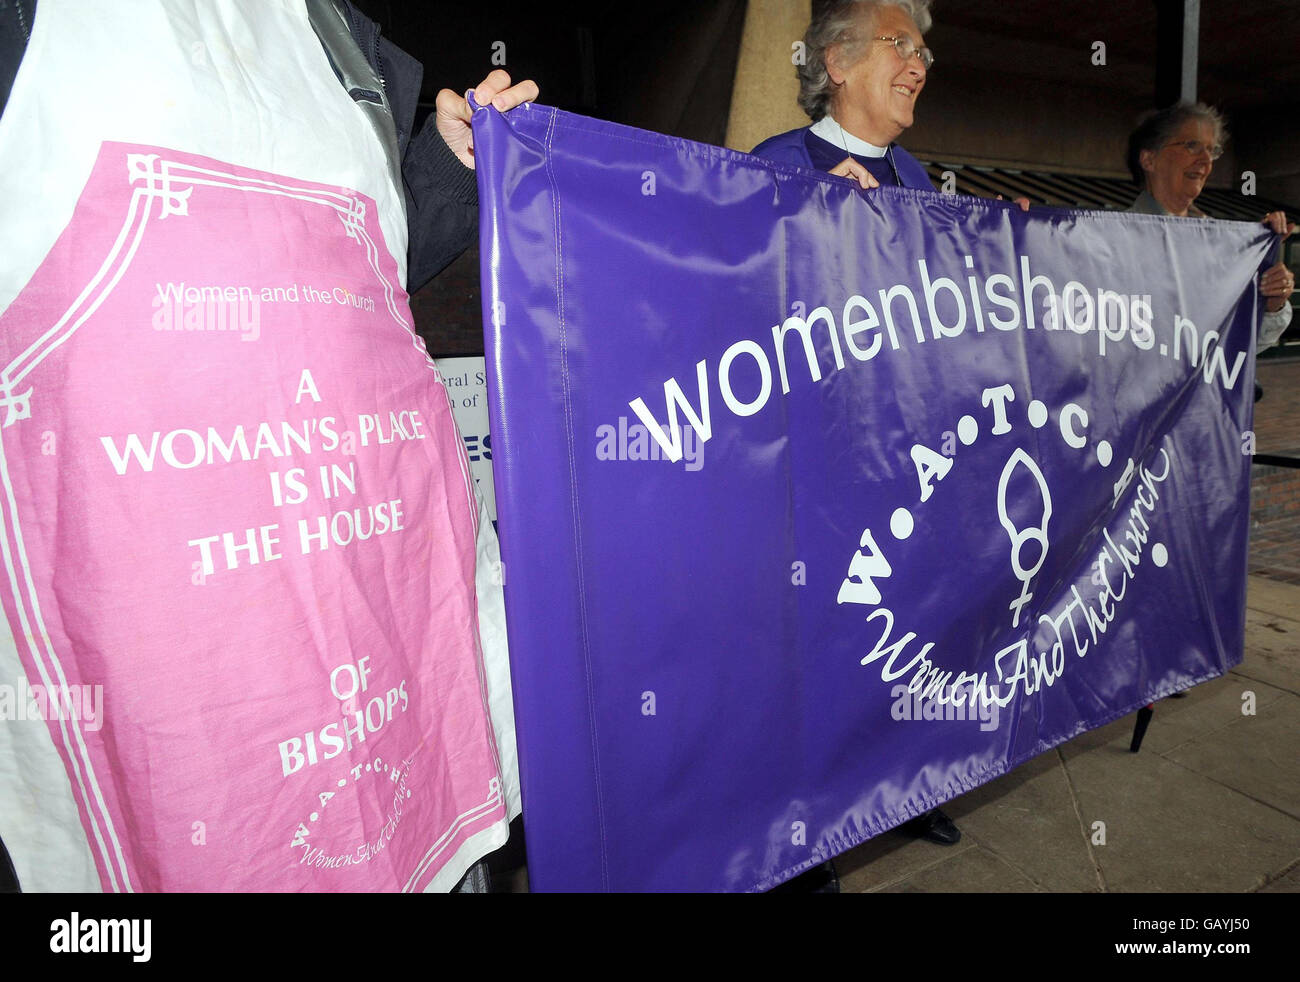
x: 821, y: 507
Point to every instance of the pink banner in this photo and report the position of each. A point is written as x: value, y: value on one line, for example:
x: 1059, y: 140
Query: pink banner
x: 237, y: 508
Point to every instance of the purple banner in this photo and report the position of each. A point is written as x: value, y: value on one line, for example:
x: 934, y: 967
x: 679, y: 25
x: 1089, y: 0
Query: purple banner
x: 820, y: 507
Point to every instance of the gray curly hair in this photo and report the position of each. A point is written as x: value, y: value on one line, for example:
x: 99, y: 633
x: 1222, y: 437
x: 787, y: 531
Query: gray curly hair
x: 1157, y: 128
x: 836, y: 23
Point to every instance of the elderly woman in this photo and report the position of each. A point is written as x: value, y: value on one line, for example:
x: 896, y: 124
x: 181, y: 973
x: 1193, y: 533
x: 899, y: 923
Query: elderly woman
x: 865, y: 66
x: 1170, y: 156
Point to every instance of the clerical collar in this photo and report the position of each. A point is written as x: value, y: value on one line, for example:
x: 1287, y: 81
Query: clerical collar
x: 833, y: 132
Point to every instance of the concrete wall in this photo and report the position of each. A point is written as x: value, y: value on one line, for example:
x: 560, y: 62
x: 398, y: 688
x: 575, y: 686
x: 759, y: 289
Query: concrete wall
x: 764, y: 97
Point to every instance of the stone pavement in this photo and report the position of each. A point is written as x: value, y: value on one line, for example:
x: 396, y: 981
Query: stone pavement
x: 1210, y: 804
x: 1275, y: 491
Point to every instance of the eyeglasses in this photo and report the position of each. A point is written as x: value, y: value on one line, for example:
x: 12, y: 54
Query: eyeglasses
x: 1195, y: 148
x: 906, y: 47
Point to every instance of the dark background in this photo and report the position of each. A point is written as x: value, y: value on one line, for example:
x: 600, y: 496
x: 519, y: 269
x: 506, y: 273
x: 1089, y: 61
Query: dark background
x: 666, y: 67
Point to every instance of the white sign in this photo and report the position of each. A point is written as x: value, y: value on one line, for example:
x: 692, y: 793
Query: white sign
x: 466, y: 382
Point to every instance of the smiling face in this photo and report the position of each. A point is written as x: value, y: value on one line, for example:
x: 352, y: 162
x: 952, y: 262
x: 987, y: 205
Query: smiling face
x: 875, y: 96
x: 1174, y: 176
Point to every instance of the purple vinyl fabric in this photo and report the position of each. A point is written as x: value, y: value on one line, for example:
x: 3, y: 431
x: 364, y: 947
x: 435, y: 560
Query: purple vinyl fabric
x: 1035, y: 528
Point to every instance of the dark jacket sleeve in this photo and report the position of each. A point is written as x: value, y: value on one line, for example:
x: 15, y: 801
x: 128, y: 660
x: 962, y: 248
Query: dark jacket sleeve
x: 441, y: 205
x: 441, y: 193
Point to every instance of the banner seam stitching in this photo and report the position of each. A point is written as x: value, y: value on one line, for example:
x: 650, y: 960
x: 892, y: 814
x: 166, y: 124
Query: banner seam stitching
x: 573, y: 497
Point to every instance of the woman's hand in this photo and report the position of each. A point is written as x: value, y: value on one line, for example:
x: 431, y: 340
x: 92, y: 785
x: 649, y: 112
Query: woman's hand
x: 453, y: 112
x: 1276, y: 286
x: 848, y: 167
x: 1276, y: 220
x: 1277, y: 283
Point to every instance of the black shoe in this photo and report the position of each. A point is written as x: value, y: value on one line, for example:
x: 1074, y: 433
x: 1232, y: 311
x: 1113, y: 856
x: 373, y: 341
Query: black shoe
x: 933, y: 826
x: 819, y: 879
